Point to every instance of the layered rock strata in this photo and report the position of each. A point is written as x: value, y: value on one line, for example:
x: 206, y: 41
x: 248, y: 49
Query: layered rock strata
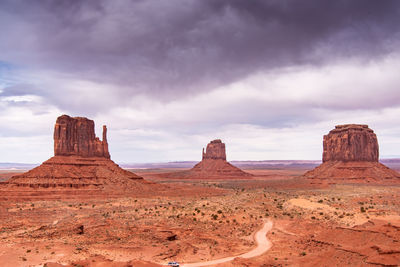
x: 213, y: 165
x: 81, y: 161
x: 350, y: 142
x: 75, y: 136
x: 215, y: 150
x: 351, y: 154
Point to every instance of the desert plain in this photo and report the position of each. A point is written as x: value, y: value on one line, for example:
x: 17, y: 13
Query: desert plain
x: 196, y: 220
x: 79, y: 208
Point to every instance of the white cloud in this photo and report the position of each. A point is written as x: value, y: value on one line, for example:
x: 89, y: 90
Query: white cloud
x: 272, y: 115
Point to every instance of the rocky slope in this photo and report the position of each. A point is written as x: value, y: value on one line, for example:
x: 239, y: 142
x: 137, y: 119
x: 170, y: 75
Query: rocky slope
x: 351, y: 154
x: 81, y: 161
x: 212, y: 166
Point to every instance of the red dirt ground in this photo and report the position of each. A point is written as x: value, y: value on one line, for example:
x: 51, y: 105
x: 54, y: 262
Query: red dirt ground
x: 197, y: 220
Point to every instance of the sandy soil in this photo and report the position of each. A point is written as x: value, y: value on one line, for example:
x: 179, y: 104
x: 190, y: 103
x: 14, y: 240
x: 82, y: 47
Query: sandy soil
x: 347, y: 225
x: 263, y: 245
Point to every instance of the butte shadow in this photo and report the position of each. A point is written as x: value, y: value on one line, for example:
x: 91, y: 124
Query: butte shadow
x: 351, y: 155
x: 212, y: 166
x: 81, y: 165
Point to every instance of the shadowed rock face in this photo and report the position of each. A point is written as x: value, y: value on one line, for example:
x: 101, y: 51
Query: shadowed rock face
x: 76, y: 136
x: 215, y: 150
x: 351, y: 142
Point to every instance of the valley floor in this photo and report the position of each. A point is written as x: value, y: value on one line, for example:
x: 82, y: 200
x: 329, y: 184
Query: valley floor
x: 348, y: 225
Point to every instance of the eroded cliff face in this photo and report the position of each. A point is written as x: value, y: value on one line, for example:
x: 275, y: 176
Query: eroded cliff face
x: 81, y: 161
x: 351, y: 155
x: 75, y: 136
x: 351, y: 142
x: 214, y: 164
x: 215, y: 150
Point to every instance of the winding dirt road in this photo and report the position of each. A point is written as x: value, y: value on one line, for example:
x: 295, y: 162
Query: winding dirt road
x: 263, y: 245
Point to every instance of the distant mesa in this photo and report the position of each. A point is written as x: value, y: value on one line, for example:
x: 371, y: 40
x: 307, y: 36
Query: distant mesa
x: 213, y: 165
x: 81, y: 161
x: 351, y: 154
x: 215, y: 150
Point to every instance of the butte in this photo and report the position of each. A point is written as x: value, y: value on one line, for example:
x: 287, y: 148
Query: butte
x: 351, y: 154
x: 81, y: 162
x: 213, y: 165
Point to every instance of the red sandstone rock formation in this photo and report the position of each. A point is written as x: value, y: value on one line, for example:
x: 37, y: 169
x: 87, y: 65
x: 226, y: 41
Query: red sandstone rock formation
x: 213, y: 165
x: 81, y: 161
x: 75, y: 136
x: 351, y: 142
x: 351, y: 154
x: 215, y: 150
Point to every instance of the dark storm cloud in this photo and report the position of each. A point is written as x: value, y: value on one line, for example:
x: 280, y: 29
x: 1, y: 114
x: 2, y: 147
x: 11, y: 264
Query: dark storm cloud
x: 168, y: 49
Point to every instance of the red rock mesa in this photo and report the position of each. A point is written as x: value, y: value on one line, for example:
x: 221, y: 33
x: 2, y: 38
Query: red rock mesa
x: 215, y: 150
x: 75, y: 136
x: 351, y: 154
x: 214, y: 164
x: 351, y: 142
x: 81, y: 161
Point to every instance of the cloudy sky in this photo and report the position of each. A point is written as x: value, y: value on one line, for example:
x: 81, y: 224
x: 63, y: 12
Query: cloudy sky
x: 269, y: 78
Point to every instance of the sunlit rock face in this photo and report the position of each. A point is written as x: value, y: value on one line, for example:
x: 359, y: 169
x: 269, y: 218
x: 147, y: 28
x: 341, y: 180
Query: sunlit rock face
x: 75, y: 136
x: 215, y: 150
x: 351, y: 142
x: 214, y: 164
x: 351, y: 155
x: 80, y: 160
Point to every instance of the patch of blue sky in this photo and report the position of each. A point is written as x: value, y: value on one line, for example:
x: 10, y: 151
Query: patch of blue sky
x: 8, y: 74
